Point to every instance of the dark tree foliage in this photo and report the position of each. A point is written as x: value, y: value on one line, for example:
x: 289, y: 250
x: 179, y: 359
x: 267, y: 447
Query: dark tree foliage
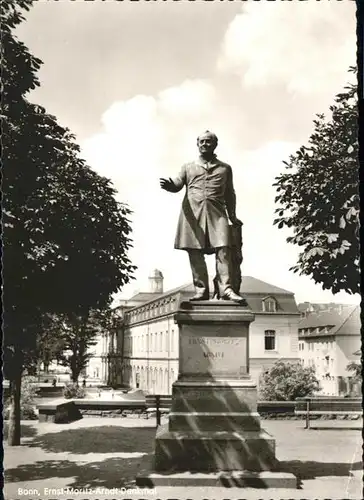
x: 65, y: 236
x: 318, y: 198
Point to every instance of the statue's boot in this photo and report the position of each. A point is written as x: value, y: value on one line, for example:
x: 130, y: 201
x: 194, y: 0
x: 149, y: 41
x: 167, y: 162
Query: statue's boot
x: 200, y: 295
x: 229, y: 294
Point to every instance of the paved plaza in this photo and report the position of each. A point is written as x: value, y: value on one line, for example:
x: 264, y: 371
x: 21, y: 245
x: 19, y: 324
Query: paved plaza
x: 71, y: 461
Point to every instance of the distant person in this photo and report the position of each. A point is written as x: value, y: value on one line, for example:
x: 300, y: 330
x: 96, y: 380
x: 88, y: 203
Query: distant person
x: 84, y: 383
x: 54, y: 382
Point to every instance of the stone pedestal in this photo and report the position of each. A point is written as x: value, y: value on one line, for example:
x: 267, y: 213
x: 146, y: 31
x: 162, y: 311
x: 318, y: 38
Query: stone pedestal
x: 214, y: 427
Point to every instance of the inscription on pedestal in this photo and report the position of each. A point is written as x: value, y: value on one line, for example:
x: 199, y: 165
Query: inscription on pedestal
x: 222, y: 353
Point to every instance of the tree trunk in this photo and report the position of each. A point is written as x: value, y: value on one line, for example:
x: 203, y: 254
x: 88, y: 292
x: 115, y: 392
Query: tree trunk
x: 75, y: 373
x: 14, y: 417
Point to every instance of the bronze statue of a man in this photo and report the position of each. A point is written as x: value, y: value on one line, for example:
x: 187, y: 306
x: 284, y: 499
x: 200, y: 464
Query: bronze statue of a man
x: 203, y: 226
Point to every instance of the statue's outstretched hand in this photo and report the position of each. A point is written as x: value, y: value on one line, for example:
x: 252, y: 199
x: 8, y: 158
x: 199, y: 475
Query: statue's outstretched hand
x: 167, y: 184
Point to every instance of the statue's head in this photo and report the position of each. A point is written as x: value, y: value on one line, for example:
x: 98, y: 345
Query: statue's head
x: 207, y: 143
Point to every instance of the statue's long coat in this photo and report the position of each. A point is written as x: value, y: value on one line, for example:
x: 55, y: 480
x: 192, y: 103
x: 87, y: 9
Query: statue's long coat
x: 210, y: 197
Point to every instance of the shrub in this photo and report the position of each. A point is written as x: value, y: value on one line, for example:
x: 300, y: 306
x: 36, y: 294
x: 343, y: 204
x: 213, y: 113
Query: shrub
x: 26, y: 413
x: 29, y: 391
x: 288, y: 381
x: 73, y: 391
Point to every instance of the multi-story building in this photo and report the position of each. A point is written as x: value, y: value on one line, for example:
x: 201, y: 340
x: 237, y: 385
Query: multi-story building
x: 329, y: 337
x: 105, y: 365
x: 151, y: 340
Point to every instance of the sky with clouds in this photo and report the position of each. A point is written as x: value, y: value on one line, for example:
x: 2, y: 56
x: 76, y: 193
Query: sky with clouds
x: 138, y: 81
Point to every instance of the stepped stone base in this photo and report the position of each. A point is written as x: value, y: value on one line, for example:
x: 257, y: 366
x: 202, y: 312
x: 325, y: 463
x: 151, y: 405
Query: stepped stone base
x: 231, y: 479
x: 213, y: 436
x: 214, y: 405
x: 221, y: 421
x: 213, y: 450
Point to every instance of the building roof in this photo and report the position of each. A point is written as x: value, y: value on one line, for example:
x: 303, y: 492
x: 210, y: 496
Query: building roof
x: 308, y: 307
x: 343, y: 320
x: 145, y: 297
x: 249, y: 285
x: 252, y: 288
x: 352, y: 324
x: 253, y: 285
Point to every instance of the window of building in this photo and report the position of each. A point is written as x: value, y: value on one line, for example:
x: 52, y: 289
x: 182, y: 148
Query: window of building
x: 167, y: 339
x: 172, y: 341
x: 269, y: 340
x: 269, y: 304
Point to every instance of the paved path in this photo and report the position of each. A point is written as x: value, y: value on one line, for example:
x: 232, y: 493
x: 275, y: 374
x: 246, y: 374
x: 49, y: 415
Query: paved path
x: 108, y: 453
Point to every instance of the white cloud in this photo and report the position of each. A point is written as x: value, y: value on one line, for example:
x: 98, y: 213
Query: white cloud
x: 306, y: 46
x: 189, y: 100
x: 147, y: 137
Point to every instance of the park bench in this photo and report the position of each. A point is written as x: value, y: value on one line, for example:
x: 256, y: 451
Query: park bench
x: 158, y: 404
x: 284, y: 408
x: 316, y: 406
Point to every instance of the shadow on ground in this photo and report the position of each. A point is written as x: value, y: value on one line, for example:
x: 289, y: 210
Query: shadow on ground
x: 312, y: 470
x: 109, y: 473
x: 105, y: 439
x: 26, y: 431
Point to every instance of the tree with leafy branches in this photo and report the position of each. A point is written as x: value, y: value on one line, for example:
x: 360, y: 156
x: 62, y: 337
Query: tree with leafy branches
x: 356, y: 368
x: 79, y: 334
x: 49, y: 343
x: 66, y: 237
x: 318, y: 197
x: 288, y: 381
